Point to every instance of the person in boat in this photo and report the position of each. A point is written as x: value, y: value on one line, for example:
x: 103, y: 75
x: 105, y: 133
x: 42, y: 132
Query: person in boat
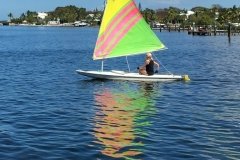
x: 148, y: 67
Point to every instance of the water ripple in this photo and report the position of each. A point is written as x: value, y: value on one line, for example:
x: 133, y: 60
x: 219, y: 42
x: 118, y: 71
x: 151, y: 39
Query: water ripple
x: 50, y: 112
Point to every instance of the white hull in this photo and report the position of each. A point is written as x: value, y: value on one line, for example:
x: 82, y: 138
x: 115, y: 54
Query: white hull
x: 120, y: 75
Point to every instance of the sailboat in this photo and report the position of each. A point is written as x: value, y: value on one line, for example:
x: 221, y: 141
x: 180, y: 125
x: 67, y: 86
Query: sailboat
x: 124, y: 32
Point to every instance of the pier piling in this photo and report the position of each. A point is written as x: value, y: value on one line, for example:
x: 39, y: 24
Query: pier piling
x: 229, y: 30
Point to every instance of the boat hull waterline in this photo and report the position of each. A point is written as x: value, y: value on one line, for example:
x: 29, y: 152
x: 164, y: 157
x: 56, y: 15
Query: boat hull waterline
x: 121, y: 75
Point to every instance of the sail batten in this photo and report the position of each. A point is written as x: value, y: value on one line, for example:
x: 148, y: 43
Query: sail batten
x: 124, y: 32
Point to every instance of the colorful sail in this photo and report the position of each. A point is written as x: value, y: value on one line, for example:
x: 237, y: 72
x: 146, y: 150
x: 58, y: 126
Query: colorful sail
x: 124, y: 32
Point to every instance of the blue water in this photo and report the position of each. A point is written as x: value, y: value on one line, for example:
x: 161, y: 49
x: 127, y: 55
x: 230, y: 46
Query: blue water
x: 50, y: 112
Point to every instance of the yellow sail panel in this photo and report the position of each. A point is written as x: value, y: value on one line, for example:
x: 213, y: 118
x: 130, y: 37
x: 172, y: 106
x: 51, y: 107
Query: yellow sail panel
x: 112, y: 9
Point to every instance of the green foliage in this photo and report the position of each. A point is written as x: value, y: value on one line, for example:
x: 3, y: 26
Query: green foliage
x: 66, y: 14
x: 149, y: 15
x: 31, y: 17
x: 229, y: 15
x: 172, y: 15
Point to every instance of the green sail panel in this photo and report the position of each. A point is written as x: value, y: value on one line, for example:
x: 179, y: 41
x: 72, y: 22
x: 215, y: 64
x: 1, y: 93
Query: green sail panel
x: 139, y: 40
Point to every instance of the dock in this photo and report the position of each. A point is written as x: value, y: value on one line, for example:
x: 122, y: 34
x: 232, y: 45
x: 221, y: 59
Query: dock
x: 200, y: 33
x: 229, y: 31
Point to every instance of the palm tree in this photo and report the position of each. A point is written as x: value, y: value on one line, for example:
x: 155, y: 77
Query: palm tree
x: 10, y: 15
x: 173, y: 15
x: 149, y: 15
x: 23, y: 16
x: 140, y: 7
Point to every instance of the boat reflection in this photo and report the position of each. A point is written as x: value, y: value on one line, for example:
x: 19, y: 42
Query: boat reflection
x: 121, y: 120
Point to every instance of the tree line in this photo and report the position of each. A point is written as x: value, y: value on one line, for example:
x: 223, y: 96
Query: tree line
x: 202, y: 16
x: 67, y: 14
x: 216, y: 15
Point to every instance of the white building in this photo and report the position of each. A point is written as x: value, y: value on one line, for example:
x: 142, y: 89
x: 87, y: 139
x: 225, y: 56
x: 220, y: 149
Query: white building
x: 236, y: 24
x: 42, y: 15
x: 54, y: 23
x: 189, y: 13
x: 90, y: 15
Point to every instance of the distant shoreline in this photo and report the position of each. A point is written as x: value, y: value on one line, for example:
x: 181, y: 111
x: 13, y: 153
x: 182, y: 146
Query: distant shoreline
x: 47, y: 25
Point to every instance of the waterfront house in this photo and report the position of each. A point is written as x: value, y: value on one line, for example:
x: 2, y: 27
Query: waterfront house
x: 42, y: 15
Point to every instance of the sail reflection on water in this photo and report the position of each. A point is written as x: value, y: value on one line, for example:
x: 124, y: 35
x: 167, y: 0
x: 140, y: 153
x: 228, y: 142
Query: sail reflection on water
x: 121, y: 120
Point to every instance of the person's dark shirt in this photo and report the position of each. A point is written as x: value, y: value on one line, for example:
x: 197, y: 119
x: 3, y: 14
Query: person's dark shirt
x: 150, y: 68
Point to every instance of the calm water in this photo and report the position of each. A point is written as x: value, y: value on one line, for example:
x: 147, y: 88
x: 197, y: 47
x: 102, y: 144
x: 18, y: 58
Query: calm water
x: 50, y: 112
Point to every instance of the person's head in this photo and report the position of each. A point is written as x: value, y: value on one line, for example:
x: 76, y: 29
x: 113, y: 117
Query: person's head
x: 149, y: 55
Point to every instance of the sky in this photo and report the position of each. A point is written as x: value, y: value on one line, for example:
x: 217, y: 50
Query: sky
x: 17, y: 7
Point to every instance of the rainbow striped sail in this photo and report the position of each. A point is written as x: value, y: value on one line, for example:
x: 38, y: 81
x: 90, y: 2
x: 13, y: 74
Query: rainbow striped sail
x: 124, y: 32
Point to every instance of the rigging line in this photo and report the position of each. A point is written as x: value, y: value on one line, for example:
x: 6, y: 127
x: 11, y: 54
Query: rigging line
x: 161, y: 64
x: 128, y: 64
